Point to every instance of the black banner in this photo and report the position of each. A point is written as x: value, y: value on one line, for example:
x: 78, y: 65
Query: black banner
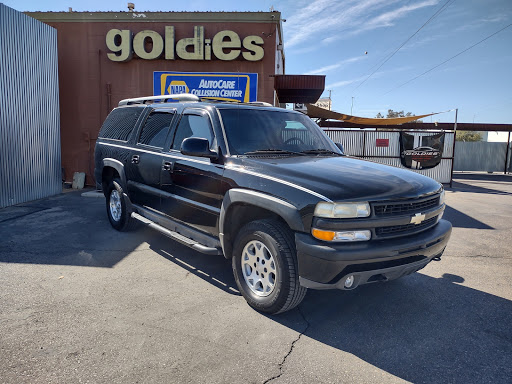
x: 425, y: 153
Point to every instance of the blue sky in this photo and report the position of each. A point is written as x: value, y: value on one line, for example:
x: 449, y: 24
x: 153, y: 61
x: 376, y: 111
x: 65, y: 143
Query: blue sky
x: 331, y: 37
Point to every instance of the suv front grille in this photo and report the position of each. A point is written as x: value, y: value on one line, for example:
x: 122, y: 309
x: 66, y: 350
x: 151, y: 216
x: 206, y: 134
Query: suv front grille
x: 395, y: 209
x: 400, y: 230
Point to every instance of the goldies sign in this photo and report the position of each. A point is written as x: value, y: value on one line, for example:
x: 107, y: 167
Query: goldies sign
x: 150, y: 45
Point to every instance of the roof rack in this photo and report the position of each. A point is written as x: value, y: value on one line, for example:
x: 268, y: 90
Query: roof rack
x: 163, y: 98
x: 220, y: 100
x: 262, y: 103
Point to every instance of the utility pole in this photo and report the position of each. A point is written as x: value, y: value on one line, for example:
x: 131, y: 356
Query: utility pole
x: 352, y: 107
x: 330, y: 100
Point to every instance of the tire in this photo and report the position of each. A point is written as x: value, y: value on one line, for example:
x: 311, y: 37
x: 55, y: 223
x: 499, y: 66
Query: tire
x: 117, y: 212
x: 265, y: 267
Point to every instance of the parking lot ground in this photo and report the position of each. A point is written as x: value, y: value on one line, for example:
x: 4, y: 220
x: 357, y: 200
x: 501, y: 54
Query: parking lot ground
x: 80, y: 302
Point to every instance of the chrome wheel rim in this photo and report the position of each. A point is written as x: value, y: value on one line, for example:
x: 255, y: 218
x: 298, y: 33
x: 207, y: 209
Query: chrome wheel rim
x: 115, y: 205
x: 259, y: 268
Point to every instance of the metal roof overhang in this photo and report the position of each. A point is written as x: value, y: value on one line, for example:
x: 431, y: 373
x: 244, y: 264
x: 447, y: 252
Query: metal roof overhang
x: 423, y: 126
x: 299, y: 88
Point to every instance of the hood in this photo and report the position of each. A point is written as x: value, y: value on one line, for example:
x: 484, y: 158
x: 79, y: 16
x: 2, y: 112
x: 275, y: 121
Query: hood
x: 345, y: 178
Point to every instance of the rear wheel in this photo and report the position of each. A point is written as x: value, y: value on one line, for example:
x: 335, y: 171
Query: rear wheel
x: 265, y: 267
x: 117, y: 212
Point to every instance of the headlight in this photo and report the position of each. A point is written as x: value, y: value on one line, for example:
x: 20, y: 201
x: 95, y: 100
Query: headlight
x: 342, y: 210
x: 441, y: 198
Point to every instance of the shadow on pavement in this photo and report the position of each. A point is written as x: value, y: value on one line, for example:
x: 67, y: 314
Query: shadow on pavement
x: 461, y: 220
x: 215, y: 270
x: 482, y: 176
x: 481, y: 183
x: 419, y: 328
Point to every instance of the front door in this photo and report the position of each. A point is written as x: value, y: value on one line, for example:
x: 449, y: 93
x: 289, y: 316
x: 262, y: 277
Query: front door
x: 193, y: 183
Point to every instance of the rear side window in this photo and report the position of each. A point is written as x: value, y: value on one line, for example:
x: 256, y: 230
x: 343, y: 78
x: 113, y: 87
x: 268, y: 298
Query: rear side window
x: 155, y: 129
x: 120, y: 123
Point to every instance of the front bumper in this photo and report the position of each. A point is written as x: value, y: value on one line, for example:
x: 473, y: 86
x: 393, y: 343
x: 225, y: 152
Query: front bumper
x: 326, y: 266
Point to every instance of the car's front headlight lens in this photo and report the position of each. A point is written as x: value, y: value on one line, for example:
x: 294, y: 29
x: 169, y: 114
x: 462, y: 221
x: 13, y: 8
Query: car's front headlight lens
x: 342, y: 210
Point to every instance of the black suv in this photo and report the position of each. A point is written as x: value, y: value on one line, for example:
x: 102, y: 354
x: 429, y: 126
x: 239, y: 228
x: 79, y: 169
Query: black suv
x: 267, y: 188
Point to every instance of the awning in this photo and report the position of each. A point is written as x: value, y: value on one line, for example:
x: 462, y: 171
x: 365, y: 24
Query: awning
x: 321, y: 113
x: 299, y: 88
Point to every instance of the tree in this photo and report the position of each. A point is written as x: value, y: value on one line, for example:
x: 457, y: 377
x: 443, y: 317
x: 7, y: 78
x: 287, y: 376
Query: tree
x: 393, y: 114
x: 468, y: 136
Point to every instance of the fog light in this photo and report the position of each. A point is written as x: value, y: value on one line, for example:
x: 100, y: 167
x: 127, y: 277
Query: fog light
x: 353, y: 236
x: 349, y: 281
x: 364, y: 235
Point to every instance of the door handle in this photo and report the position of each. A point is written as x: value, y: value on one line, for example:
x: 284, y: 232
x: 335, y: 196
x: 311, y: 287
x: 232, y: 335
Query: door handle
x: 167, y: 166
x: 135, y: 159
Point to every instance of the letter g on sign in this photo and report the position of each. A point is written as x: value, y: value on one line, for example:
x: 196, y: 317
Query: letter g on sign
x: 119, y: 41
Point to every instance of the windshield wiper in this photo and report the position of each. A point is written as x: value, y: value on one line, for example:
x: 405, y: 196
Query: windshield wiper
x: 270, y: 151
x: 321, y: 151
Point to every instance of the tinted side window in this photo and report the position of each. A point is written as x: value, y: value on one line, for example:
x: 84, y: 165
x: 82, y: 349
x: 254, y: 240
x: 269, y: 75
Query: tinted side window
x: 192, y: 126
x: 155, y: 129
x: 120, y: 123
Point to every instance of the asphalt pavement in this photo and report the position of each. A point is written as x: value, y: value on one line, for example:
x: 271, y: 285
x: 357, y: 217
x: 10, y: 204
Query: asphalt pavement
x: 81, y: 302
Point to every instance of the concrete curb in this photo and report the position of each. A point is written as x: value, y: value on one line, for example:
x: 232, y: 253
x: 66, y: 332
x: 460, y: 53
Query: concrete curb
x: 93, y: 194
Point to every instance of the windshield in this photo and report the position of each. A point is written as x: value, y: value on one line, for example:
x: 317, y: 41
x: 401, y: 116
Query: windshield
x: 253, y: 130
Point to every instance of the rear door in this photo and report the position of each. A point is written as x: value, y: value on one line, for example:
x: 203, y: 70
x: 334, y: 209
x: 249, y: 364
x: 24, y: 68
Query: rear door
x: 146, y: 159
x: 193, y: 184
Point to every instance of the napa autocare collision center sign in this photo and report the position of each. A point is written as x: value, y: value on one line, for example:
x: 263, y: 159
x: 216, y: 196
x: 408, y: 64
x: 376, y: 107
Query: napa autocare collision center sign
x: 242, y: 87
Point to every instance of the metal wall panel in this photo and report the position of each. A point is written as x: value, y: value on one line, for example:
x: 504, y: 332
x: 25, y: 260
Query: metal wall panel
x: 352, y: 140
x: 361, y: 143
x: 393, y: 149
x: 30, y: 165
x: 480, y: 156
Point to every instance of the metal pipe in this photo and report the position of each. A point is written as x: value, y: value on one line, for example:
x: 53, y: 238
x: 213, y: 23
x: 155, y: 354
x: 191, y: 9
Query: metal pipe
x: 506, y: 154
x: 453, y: 149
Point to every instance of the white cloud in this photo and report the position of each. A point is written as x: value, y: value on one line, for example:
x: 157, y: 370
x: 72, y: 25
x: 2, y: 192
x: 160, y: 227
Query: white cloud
x: 328, y: 68
x: 344, y: 83
x: 330, y: 20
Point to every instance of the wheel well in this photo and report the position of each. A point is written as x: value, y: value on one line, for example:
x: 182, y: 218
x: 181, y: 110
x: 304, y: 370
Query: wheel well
x: 237, y: 216
x: 108, y: 174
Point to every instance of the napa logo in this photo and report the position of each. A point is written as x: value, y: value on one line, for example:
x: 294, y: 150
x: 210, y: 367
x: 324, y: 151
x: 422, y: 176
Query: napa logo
x: 240, y: 87
x: 176, y: 87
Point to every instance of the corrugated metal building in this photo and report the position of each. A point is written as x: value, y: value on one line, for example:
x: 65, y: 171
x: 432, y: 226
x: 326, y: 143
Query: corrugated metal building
x: 30, y: 163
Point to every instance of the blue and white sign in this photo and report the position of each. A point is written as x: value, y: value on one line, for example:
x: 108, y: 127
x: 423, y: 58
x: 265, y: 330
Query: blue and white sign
x: 242, y: 87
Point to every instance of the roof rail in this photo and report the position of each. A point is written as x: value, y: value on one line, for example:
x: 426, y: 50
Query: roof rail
x: 213, y: 100
x: 164, y: 98
x: 262, y: 103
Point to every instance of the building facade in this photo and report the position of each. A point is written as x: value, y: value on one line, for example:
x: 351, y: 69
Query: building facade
x: 105, y: 57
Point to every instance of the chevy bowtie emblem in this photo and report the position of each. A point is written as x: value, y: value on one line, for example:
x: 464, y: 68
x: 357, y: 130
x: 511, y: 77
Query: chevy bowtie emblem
x: 417, y: 218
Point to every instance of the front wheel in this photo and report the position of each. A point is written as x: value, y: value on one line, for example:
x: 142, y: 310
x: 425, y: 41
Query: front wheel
x: 265, y: 267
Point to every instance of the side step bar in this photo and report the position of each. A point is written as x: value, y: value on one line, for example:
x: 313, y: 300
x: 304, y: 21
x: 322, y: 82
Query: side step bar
x: 177, y: 237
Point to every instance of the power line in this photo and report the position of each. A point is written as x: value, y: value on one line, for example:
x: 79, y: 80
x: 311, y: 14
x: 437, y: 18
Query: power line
x: 437, y: 13
x: 451, y: 58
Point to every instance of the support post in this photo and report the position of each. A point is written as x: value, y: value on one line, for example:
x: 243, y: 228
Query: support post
x: 453, y: 149
x: 506, y: 154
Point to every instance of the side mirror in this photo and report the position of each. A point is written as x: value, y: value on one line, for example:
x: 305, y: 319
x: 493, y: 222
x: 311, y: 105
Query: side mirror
x: 340, y: 146
x: 196, y: 146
